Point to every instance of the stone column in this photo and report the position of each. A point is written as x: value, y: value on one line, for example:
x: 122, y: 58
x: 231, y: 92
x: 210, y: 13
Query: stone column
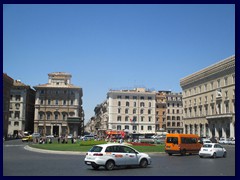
x: 224, y: 127
x: 60, y: 129
x: 51, y: 129
x: 204, y: 129
x: 232, y: 129
x: 216, y: 130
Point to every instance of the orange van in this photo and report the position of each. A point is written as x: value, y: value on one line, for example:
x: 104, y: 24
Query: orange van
x: 182, y: 144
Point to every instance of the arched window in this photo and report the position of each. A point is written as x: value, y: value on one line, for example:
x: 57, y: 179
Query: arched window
x: 142, y: 104
x: 71, y: 114
x: 56, y: 115
x: 41, y: 115
x: 134, y: 111
x: 127, y: 104
x: 119, y: 118
x: 64, y: 115
x: 49, y: 115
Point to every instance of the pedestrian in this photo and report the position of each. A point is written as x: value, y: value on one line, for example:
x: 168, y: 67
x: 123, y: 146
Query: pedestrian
x: 72, y: 140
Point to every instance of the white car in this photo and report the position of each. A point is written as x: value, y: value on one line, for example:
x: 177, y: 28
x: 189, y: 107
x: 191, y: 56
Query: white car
x: 224, y: 141
x: 70, y: 136
x: 111, y: 155
x: 36, y: 135
x: 232, y: 141
x: 206, y: 141
x: 212, y: 150
x: 50, y: 136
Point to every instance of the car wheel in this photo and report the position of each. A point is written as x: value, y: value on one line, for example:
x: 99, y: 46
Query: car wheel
x: 109, y: 165
x: 214, y: 155
x: 169, y: 154
x: 183, y: 152
x: 225, y: 154
x: 200, y: 156
x: 94, y: 166
x: 143, y: 163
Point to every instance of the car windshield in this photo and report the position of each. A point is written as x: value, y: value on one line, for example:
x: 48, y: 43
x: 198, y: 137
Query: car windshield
x: 96, y: 149
x: 207, y: 145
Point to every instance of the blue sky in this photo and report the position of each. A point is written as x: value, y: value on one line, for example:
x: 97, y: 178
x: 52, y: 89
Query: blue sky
x: 115, y: 46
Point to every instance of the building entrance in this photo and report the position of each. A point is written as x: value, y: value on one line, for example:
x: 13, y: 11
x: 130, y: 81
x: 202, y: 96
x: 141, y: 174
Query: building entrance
x: 56, y: 131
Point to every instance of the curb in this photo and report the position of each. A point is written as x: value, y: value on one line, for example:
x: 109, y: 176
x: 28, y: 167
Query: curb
x: 69, y: 152
x: 52, y: 151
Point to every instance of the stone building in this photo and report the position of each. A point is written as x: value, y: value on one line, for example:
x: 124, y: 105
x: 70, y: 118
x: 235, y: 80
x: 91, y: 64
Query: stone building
x: 58, y: 106
x: 161, y: 106
x: 132, y: 111
x: 169, y: 112
x: 209, y: 100
x: 7, y: 84
x: 21, y: 111
x: 174, y: 113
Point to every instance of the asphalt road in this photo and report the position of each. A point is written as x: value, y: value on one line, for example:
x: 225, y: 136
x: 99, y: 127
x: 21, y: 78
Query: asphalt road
x: 18, y: 161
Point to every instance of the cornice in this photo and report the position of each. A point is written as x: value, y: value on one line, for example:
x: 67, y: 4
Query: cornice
x: 216, y: 68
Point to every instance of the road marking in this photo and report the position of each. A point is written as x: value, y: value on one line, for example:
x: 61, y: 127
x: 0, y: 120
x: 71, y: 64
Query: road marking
x: 10, y: 145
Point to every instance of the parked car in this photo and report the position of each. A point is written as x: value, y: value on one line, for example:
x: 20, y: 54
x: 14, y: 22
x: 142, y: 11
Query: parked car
x: 27, y: 138
x: 232, y: 141
x: 203, y: 141
x: 50, y: 136
x: 111, y: 155
x: 36, y: 135
x: 224, y: 141
x: 212, y: 150
x: 87, y: 137
x: 70, y: 136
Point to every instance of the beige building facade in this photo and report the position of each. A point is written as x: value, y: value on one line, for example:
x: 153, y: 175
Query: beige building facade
x: 21, y: 110
x: 132, y: 111
x: 209, y: 100
x: 7, y: 85
x: 58, y: 106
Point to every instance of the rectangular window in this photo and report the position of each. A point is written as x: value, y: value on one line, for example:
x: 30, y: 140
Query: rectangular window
x: 142, y: 128
x: 135, y: 97
x: 149, y: 98
x: 149, y: 128
x: 119, y: 97
x: 218, y: 83
x: 49, y: 102
x: 226, y: 81
x: 126, y: 97
x: 134, y: 127
x: 56, y: 102
x: 149, y: 119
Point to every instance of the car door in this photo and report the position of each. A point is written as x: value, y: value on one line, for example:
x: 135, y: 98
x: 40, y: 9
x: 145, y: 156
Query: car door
x: 116, y: 153
x: 221, y: 151
x: 218, y: 150
x: 131, y: 157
